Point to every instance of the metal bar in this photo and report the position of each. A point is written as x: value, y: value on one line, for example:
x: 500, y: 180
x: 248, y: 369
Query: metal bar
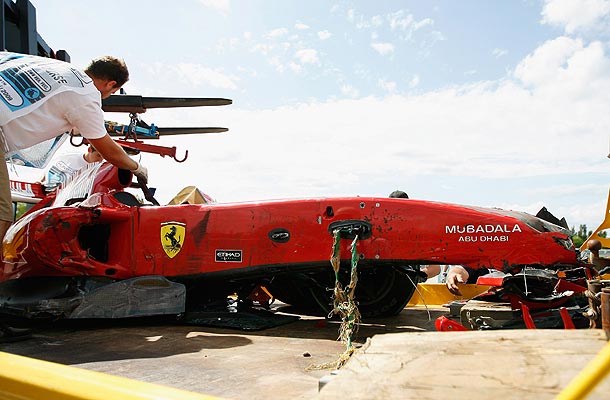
x: 3, y: 26
x: 148, y: 148
x: 44, y: 50
x: 62, y: 55
x: 188, y: 130
x: 29, y: 379
x: 139, y: 104
x: 167, y: 102
x: 119, y: 132
x: 593, y: 373
x: 27, y: 27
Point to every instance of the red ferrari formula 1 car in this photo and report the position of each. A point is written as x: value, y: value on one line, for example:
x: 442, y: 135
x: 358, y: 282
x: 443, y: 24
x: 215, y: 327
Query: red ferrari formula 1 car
x: 92, y: 249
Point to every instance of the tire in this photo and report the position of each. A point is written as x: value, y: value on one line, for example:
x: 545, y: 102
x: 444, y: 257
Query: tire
x: 380, y: 291
x: 302, y: 292
x: 384, y: 291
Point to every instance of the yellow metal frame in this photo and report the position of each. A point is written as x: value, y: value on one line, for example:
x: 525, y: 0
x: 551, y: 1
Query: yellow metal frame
x: 437, y: 294
x: 604, y: 225
x: 23, y: 378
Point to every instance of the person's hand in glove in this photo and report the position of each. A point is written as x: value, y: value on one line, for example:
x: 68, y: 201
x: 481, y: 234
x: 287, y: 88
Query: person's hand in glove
x: 141, y: 173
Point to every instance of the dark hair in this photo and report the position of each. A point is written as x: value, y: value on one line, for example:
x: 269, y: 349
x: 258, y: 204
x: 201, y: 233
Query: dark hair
x: 399, y: 194
x: 108, y: 67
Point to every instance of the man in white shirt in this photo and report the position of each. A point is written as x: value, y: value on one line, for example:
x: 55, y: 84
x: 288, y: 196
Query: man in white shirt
x: 68, y: 165
x: 41, y: 98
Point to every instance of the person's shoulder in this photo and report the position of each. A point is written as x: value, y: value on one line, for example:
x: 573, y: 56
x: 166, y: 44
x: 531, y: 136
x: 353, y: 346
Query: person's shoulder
x: 72, y: 99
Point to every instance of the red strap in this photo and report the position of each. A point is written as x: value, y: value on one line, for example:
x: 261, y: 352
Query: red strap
x: 527, y: 317
x: 565, y: 317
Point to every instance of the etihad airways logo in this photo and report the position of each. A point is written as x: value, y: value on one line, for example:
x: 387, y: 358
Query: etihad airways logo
x: 482, y: 228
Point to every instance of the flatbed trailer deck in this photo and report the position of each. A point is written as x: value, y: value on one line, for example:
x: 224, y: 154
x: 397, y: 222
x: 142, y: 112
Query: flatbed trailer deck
x: 399, y: 357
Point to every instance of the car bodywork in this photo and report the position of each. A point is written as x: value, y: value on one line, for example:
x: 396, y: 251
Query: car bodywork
x: 93, y: 234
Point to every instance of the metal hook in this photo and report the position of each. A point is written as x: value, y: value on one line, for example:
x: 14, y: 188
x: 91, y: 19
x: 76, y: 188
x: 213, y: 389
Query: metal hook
x: 186, y: 154
x: 131, y: 130
x: 72, y: 141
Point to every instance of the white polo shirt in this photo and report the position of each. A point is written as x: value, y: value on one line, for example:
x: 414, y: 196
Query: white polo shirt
x: 59, y: 114
x: 41, y: 98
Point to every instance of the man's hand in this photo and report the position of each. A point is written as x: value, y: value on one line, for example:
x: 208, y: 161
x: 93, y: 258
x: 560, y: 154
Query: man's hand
x: 457, y: 275
x: 141, y: 173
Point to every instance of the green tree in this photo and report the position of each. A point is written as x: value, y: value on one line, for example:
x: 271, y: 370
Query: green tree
x: 20, y: 209
x: 579, y: 237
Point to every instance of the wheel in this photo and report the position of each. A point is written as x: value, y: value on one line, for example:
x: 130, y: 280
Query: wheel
x: 380, y: 291
x: 303, y: 292
x: 384, y: 291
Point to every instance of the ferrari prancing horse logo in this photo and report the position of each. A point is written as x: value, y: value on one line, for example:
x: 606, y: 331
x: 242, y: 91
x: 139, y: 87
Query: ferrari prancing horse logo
x: 172, y: 237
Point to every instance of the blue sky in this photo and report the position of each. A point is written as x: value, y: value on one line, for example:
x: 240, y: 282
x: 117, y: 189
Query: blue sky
x: 501, y: 104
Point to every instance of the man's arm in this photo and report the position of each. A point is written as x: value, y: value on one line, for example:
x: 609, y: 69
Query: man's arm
x: 114, y: 154
x: 431, y: 270
x: 459, y: 275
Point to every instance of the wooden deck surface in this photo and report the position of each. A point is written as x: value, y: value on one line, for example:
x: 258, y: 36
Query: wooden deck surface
x: 401, y: 357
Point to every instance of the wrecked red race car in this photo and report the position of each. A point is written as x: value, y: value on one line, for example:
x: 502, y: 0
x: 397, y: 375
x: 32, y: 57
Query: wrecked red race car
x: 92, y: 249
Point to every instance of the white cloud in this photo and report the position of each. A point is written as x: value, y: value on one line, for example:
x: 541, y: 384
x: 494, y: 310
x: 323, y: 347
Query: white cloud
x: 398, y: 20
x: 383, y: 48
x: 351, y: 15
x: 414, y: 82
x: 301, y: 26
x: 199, y: 75
x: 376, y: 20
x: 566, y: 68
x: 323, y: 35
x: 262, y: 48
x: 423, y: 23
x: 362, y: 22
x: 545, y: 62
x: 437, y: 36
x: 499, y: 52
x: 401, y: 21
x: 223, y: 6
x: 387, y: 86
x: 247, y: 71
x: 275, y: 61
x: 307, y: 56
x: 227, y: 44
x: 296, y: 68
x: 349, y: 91
x: 574, y: 14
x: 276, y: 33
